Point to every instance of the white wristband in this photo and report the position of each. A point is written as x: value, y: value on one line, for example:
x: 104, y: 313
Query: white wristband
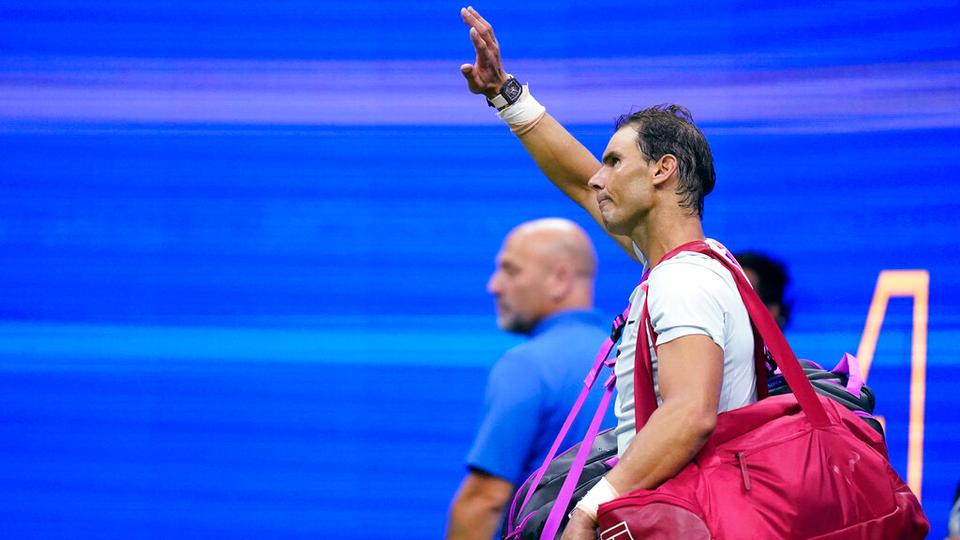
x: 525, y: 110
x: 598, y: 494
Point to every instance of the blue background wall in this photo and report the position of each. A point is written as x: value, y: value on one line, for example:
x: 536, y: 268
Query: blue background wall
x: 245, y: 243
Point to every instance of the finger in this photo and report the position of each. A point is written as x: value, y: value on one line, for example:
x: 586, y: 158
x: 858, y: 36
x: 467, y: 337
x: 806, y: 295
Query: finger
x: 477, y: 40
x: 476, y: 15
x: 466, y: 16
x: 467, y: 70
x: 482, y: 26
x: 485, y: 28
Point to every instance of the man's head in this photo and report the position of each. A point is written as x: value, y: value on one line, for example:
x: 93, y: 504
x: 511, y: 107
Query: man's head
x: 769, y: 278
x: 669, y: 154
x: 544, y: 266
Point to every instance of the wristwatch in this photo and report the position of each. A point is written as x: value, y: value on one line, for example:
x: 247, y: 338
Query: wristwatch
x: 509, y: 94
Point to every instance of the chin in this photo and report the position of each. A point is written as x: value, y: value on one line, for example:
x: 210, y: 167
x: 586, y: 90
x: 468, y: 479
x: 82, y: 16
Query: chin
x: 515, y: 325
x: 615, y: 227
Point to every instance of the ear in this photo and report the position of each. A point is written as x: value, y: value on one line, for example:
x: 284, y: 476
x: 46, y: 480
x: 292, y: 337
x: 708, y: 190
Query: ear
x: 559, y: 282
x: 665, y: 168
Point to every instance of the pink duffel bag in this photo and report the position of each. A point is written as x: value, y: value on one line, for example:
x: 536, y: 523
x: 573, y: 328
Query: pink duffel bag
x: 787, y: 467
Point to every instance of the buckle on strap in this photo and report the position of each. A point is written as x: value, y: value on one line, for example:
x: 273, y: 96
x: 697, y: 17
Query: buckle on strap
x: 616, y: 331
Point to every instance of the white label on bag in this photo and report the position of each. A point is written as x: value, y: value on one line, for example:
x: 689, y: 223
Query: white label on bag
x: 620, y: 531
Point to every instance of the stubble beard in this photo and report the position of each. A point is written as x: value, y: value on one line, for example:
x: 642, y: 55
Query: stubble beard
x: 514, y: 324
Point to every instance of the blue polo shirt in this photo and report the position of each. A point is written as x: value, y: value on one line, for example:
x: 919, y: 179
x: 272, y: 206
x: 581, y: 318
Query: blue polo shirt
x: 530, y: 391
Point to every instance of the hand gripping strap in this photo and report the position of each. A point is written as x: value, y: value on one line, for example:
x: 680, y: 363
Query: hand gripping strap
x: 763, y: 324
x: 598, y: 363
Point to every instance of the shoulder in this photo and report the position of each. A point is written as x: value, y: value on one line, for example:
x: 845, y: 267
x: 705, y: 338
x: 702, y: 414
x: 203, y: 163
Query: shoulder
x: 692, y: 293
x: 562, y: 345
x: 566, y: 329
x: 690, y: 272
x: 522, y: 367
x: 517, y: 358
x: 691, y: 286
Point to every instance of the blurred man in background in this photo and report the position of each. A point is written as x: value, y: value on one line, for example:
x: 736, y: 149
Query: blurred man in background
x: 769, y: 278
x: 543, y: 285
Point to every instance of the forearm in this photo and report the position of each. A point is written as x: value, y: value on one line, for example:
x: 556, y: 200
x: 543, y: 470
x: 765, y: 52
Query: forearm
x: 473, y: 519
x: 564, y: 161
x: 669, y: 440
x: 568, y: 165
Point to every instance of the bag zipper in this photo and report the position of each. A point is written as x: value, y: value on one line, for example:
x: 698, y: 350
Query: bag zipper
x: 742, y: 460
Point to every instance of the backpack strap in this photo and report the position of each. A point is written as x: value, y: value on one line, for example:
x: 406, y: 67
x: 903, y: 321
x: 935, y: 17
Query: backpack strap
x: 559, y: 510
x: 602, y: 359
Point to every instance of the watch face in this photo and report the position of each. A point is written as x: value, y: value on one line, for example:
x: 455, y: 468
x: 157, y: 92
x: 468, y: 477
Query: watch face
x: 511, y: 90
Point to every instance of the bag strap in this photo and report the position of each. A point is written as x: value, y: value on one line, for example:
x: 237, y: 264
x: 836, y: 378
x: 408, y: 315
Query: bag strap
x: 763, y: 323
x: 559, y: 509
x: 599, y: 362
x: 644, y: 403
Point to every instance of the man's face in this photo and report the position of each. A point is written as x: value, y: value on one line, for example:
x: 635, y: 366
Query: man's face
x: 623, y: 184
x: 519, y: 284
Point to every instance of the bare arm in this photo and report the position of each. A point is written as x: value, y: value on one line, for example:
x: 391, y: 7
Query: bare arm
x: 561, y: 157
x: 691, y: 373
x: 478, y: 506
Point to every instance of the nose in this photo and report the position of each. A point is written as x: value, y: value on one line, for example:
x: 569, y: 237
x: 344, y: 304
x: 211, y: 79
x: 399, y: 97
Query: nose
x: 597, y: 180
x: 493, y: 284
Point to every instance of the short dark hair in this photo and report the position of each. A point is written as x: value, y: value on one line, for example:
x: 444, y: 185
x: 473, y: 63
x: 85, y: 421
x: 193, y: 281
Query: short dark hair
x: 772, y: 281
x: 669, y: 129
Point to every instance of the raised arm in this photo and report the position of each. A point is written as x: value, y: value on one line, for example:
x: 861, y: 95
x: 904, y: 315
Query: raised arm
x: 561, y: 157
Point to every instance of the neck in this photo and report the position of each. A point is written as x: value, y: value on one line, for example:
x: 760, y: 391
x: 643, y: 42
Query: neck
x: 580, y: 297
x: 665, y: 229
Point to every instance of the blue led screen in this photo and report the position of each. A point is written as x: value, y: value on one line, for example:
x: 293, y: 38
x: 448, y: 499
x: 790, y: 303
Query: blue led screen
x: 245, y: 244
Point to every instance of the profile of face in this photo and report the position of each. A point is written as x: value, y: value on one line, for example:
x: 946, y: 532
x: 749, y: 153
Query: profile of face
x: 624, y: 185
x: 519, y: 283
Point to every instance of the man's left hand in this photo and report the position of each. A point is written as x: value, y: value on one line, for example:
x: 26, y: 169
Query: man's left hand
x: 580, y: 527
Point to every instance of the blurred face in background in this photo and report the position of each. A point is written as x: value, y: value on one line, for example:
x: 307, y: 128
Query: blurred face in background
x: 520, y: 284
x: 775, y: 308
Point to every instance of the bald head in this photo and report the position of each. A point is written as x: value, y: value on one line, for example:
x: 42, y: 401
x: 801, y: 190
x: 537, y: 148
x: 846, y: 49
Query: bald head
x: 559, y: 241
x: 545, y: 266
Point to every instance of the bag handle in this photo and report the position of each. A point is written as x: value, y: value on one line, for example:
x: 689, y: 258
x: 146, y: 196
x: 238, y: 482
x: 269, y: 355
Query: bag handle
x: 599, y: 362
x: 763, y: 323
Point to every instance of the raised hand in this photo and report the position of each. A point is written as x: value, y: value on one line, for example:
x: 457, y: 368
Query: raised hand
x: 486, y: 75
